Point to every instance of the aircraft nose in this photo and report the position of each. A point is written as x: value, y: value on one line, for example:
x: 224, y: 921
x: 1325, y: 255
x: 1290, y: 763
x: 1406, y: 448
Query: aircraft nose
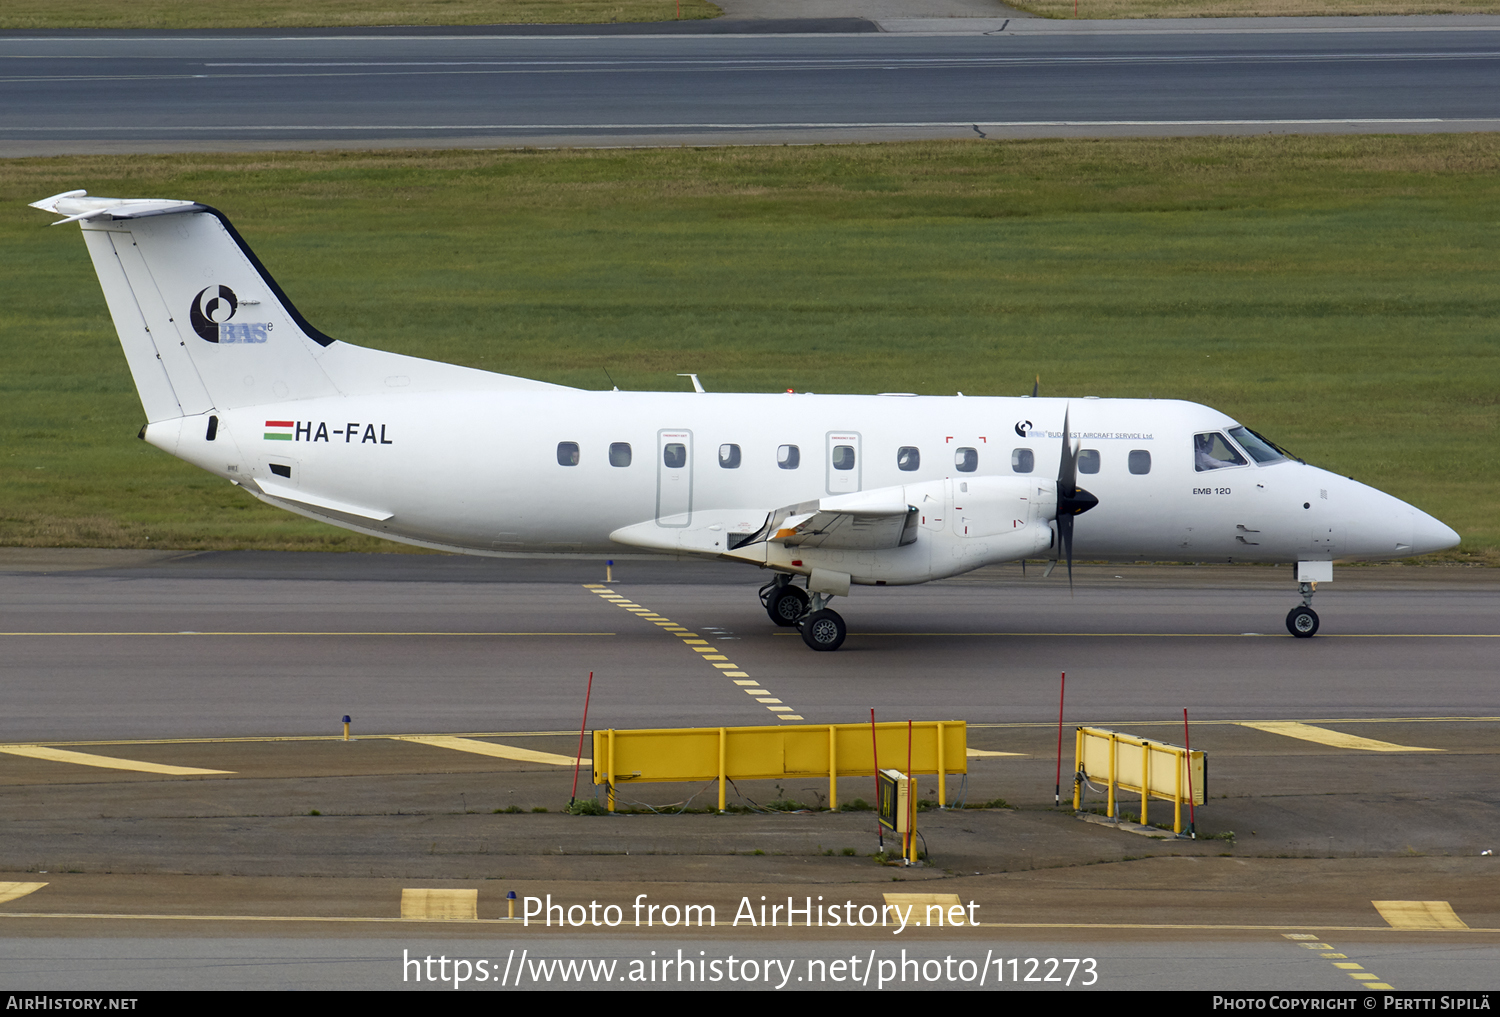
x: 1429, y: 534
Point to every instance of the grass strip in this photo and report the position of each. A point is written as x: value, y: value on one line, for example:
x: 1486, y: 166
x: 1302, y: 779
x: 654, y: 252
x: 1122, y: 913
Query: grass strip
x: 1337, y: 293
x: 169, y: 14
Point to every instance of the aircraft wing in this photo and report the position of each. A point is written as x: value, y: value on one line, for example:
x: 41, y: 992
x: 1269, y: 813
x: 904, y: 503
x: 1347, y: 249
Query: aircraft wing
x: 864, y: 521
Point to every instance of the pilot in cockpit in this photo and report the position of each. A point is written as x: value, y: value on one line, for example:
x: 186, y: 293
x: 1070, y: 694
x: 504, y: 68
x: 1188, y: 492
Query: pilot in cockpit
x: 1212, y: 452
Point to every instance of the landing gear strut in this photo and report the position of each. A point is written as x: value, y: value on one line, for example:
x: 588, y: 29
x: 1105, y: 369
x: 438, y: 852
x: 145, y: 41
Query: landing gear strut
x: 1302, y: 621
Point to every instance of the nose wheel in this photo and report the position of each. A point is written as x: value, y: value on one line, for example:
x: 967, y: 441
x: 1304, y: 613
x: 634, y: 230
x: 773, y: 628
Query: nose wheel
x: 1302, y: 621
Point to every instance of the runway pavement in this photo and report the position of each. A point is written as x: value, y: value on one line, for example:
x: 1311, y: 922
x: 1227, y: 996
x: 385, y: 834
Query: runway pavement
x: 181, y: 811
x: 782, y: 82
x: 251, y: 644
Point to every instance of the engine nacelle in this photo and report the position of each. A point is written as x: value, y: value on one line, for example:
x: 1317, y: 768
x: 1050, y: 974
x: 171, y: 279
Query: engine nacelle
x: 962, y: 525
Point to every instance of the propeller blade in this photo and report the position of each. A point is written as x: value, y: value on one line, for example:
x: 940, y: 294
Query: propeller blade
x: 1065, y: 537
x: 1072, y: 500
x: 1067, y: 467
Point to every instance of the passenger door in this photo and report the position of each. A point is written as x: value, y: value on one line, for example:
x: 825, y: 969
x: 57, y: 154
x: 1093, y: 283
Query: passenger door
x: 674, y: 478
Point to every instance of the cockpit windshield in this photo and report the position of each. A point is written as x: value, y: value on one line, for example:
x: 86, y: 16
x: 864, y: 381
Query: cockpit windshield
x: 1260, y: 450
x: 1212, y: 452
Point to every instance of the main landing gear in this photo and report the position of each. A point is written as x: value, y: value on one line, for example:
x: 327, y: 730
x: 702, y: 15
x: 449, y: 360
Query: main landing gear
x: 1302, y: 621
x: 789, y: 606
x: 784, y: 602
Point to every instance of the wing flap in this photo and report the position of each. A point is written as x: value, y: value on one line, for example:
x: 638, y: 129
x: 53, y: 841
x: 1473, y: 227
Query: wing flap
x: 848, y: 531
x: 864, y: 521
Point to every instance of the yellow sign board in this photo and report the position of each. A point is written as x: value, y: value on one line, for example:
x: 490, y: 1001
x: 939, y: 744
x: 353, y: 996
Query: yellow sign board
x: 773, y: 753
x: 1140, y: 766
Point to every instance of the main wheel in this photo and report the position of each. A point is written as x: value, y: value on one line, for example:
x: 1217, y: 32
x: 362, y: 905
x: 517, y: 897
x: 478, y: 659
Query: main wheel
x: 786, y: 604
x: 824, y: 630
x: 1302, y: 622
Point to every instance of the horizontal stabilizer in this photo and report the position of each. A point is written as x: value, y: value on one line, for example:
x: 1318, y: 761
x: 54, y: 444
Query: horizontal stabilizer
x: 78, y: 206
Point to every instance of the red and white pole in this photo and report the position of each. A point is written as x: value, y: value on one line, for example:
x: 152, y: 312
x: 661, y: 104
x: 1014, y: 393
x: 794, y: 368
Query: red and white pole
x: 1192, y: 814
x: 579, y: 760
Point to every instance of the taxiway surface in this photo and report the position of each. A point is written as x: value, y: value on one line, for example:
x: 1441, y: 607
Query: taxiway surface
x: 191, y: 819
x: 98, y: 91
x: 244, y: 643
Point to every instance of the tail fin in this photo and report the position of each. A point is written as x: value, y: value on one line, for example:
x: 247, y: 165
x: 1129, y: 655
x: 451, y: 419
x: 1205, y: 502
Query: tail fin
x: 203, y: 324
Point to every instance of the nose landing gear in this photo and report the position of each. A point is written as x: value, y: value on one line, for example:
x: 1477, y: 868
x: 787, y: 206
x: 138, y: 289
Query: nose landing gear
x: 1302, y: 621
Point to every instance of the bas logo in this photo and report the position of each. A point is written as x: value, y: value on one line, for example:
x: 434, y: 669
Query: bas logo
x: 1023, y: 428
x: 210, y: 316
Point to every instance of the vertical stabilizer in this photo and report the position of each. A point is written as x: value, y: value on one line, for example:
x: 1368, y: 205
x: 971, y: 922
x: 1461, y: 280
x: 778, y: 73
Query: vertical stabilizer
x: 203, y: 325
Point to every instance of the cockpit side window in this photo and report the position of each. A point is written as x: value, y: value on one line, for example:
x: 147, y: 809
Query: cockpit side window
x: 1212, y: 451
x: 1260, y: 450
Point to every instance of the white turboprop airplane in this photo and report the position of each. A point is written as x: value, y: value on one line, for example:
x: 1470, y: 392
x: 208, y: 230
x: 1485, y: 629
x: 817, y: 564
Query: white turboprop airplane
x: 843, y: 490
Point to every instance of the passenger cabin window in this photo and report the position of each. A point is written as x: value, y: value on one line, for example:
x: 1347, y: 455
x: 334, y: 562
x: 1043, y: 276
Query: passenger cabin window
x: 843, y: 457
x: 619, y: 453
x: 788, y: 457
x: 1212, y: 451
x: 1140, y: 462
x: 1260, y: 450
x: 908, y: 459
x: 567, y: 453
x: 729, y: 457
x: 674, y: 456
x: 1088, y: 461
x: 966, y: 460
x: 1022, y: 460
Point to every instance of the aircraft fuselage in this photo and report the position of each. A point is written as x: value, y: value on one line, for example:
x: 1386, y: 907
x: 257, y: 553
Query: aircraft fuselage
x: 559, y: 470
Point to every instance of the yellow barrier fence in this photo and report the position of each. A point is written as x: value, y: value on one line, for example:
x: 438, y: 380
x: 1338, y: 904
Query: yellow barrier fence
x: 1140, y: 766
x: 769, y: 753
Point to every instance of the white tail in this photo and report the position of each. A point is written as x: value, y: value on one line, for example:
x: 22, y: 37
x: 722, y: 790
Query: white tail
x: 205, y: 327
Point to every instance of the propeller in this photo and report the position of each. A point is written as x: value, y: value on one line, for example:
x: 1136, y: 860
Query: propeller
x: 1072, y: 500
